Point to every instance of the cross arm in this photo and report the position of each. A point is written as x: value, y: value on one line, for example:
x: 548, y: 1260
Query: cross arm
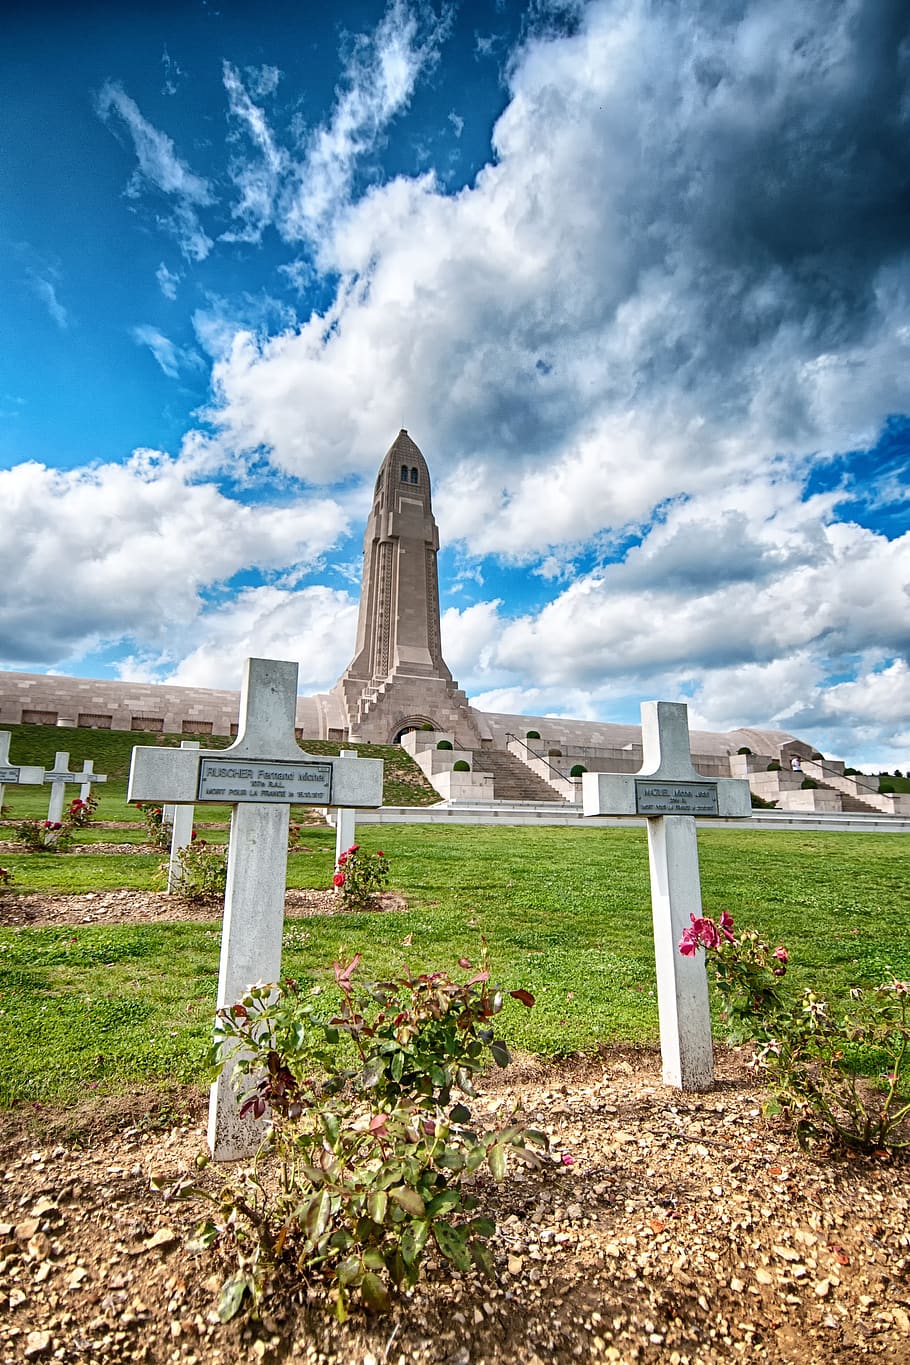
x: 356, y: 781
x: 163, y: 775
x: 25, y: 774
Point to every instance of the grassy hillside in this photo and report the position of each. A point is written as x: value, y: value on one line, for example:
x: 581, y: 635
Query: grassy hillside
x: 110, y: 750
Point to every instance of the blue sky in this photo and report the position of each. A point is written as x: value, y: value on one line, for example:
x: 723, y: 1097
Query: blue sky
x: 635, y: 278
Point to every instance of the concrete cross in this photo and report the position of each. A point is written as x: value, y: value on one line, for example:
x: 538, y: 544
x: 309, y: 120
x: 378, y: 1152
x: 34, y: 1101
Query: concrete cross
x: 345, y: 822
x: 180, y: 819
x: 262, y: 773
x: 90, y: 776
x: 15, y: 774
x: 669, y: 792
x: 60, y: 776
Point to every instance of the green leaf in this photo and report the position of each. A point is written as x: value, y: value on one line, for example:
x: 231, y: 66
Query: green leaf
x: 496, y: 1158
x: 482, y: 1227
x: 373, y: 1259
x: 460, y: 1113
x: 397, y: 1066
x: 316, y: 1218
x: 475, y: 1158
x: 483, y: 1259
x: 463, y: 1077
x: 204, y: 1237
x: 372, y: 1073
x: 377, y: 1204
x: 350, y: 1272
x: 331, y: 1127
x: 413, y: 1241
x: 375, y: 1295
x: 231, y: 1295
x: 409, y: 1200
x: 451, y: 1159
x: 453, y: 1245
x: 443, y: 1202
x: 500, y: 1052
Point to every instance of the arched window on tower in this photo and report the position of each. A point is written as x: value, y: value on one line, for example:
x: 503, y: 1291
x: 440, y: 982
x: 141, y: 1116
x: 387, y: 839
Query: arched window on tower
x: 413, y: 476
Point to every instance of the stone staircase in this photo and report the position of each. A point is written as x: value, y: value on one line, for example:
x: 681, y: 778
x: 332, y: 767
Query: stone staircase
x: 849, y: 804
x: 512, y: 780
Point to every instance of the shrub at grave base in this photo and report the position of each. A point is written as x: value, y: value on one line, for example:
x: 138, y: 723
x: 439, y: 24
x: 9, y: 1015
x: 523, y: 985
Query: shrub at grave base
x: 839, y: 1069
x: 774, y: 766
x: 577, y: 769
x: 460, y: 766
x: 43, y: 836
x: 201, y: 871
x: 81, y: 813
x: 808, y: 783
x: 159, y: 831
x: 360, y: 877
x: 372, y: 1156
x: 6, y: 878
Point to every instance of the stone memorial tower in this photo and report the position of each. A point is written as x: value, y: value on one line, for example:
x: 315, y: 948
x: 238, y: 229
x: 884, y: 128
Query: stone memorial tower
x: 398, y: 679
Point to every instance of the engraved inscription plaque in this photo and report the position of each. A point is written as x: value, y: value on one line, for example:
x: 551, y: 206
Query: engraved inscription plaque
x: 654, y: 797
x: 10, y: 775
x: 251, y: 779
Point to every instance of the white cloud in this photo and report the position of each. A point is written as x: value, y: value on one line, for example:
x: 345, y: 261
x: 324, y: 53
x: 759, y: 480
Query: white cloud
x: 46, y: 290
x: 315, y: 626
x: 257, y: 179
x: 168, y: 281
x: 169, y: 357
x: 582, y: 340
x: 128, y: 552
x: 377, y: 84
x: 160, y: 168
x: 752, y: 604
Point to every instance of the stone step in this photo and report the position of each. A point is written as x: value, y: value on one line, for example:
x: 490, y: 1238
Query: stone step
x: 512, y: 781
x: 850, y: 803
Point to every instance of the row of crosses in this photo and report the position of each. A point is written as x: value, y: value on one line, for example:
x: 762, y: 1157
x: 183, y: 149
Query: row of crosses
x: 59, y: 777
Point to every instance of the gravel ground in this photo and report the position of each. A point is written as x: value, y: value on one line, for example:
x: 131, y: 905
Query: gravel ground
x: 665, y: 1228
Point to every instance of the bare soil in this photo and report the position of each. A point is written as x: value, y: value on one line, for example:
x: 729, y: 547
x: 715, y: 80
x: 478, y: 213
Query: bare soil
x: 664, y: 1228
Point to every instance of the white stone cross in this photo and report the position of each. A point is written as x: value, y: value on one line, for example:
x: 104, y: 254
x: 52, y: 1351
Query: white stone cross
x: 15, y: 774
x: 262, y: 773
x: 345, y: 823
x: 60, y: 775
x: 669, y: 792
x: 180, y: 818
x: 90, y: 776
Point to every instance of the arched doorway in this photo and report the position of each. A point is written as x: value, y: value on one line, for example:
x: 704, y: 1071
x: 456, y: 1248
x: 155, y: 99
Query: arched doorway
x: 405, y: 727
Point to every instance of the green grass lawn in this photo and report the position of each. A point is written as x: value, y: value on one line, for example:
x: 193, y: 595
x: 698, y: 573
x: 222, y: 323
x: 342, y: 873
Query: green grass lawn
x: 565, y: 912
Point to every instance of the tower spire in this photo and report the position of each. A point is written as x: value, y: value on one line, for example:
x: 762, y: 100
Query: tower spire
x: 398, y: 675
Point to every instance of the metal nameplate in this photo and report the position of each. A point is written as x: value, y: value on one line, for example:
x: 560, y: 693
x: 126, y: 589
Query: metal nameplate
x: 675, y: 798
x: 253, y: 779
x: 8, y: 775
